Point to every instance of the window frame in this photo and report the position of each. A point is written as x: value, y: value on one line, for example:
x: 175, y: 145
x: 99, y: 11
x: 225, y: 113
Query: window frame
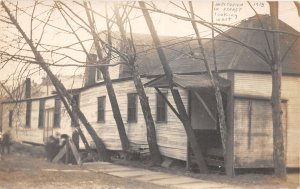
x: 41, y: 118
x: 57, y: 113
x: 165, y: 108
x: 134, y: 107
x: 102, y: 100
x: 28, y: 114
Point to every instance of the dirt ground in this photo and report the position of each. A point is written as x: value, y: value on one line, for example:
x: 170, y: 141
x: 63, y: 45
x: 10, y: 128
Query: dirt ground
x: 27, y: 167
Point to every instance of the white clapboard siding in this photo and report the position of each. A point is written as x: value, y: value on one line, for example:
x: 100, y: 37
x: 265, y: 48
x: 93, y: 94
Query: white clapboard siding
x: 18, y: 131
x: 18, y: 118
x: 261, y: 85
x: 253, y: 138
x: 170, y: 135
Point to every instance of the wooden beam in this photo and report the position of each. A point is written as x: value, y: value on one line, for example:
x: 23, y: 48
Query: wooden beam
x: 190, y: 132
x: 205, y: 106
x: 168, y: 102
x: 67, y: 156
x: 60, y: 154
x: 75, y: 152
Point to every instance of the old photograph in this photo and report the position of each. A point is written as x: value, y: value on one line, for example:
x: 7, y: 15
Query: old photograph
x: 98, y: 94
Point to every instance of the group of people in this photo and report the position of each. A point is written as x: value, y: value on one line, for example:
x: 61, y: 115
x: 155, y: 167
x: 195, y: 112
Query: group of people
x: 5, y: 142
x: 55, y: 143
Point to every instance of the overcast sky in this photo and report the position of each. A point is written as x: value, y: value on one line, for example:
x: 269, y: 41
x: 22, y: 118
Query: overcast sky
x: 223, y: 13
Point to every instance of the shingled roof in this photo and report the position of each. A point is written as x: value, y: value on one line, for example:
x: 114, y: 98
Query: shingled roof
x: 183, y: 52
x: 229, y: 55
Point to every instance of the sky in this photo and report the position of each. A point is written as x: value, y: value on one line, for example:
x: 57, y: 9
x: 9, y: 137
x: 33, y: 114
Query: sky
x: 224, y: 12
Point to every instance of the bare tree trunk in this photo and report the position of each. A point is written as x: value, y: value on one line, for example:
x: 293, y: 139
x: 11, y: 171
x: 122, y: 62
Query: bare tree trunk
x: 151, y: 132
x: 178, y: 101
x: 61, y: 90
x: 73, y: 118
x: 218, y: 95
x: 276, y: 69
x: 115, y: 109
x: 109, y: 86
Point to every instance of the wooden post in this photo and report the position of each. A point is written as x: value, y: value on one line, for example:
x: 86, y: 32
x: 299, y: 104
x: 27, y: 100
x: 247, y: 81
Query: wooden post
x: 60, y: 154
x: 67, y: 157
x: 178, y: 101
x: 75, y: 152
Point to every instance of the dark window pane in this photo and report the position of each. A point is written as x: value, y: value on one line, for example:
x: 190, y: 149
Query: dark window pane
x: 132, y: 107
x: 161, y: 115
x: 101, y: 109
x: 57, y: 112
x: 28, y: 114
x: 41, y: 114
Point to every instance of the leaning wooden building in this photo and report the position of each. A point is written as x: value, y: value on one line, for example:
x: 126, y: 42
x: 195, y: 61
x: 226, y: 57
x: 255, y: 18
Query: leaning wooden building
x: 245, y: 82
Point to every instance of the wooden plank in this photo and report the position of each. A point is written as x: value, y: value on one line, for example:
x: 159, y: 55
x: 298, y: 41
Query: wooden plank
x: 75, y: 152
x: 168, y: 102
x: 261, y: 134
x: 60, y: 154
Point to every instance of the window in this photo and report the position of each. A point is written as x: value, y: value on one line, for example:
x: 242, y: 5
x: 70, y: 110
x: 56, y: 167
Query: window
x: 57, y: 110
x: 28, y: 114
x: 41, y: 114
x: 132, y: 107
x: 101, y: 109
x: 10, y: 118
x: 76, y: 99
x: 161, y: 109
